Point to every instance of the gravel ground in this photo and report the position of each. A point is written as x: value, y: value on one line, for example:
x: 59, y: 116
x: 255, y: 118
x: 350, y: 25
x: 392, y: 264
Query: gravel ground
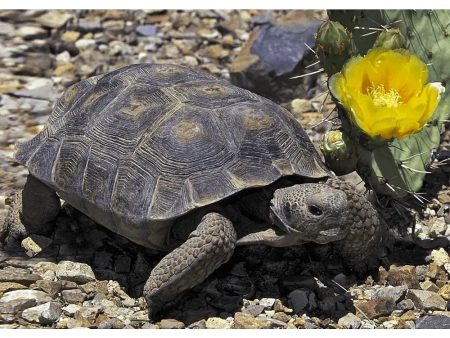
x: 85, y: 276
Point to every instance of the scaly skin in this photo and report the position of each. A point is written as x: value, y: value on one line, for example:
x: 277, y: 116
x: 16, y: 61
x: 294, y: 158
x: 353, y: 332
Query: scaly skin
x: 208, y: 247
x: 368, y: 235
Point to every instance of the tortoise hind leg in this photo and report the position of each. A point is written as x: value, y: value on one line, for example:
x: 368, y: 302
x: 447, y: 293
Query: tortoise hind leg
x: 32, y: 211
x: 208, y: 247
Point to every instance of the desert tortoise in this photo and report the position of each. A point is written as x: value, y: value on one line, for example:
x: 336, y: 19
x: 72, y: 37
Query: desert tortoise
x: 174, y: 159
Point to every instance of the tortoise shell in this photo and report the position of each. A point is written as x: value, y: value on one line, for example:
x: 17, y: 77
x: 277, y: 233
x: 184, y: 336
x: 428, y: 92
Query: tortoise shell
x: 151, y: 142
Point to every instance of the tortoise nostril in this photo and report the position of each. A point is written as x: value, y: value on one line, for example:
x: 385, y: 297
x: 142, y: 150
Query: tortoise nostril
x: 315, y: 210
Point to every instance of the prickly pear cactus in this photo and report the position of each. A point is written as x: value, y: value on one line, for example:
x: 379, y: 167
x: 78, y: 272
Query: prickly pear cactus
x: 397, y: 168
x: 427, y: 33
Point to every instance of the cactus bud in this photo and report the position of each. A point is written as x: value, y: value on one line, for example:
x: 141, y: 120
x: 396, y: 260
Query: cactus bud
x: 334, y: 45
x: 338, y: 152
x: 391, y: 39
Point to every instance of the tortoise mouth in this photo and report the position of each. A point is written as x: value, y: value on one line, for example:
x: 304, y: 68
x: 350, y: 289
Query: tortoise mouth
x: 329, y: 235
x: 331, y: 232
x: 279, y: 223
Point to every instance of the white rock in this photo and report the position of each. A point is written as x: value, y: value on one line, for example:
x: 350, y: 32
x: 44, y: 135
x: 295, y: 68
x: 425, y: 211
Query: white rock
x: 267, y: 302
x: 40, y: 296
x: 84, y: 44
x: 390, y: 324
x: 34, y: 244
x: 438, y: 227
x: 31, y: 32
x: 44, y: 314
x: 76, y: 272
x: 63, y: 57
x: 350, y: 321
x: 217, y: 323
x: 440, y: 257
x: 53, y: 19
x: 6, y: 29
x: 71, y: 309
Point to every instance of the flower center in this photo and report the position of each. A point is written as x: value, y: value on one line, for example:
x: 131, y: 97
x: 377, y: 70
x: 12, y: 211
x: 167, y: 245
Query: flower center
x: 383, y: 98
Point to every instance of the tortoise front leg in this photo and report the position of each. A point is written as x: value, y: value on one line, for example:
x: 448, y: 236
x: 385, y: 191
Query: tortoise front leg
x: 31, y: 211
x: 208, y: 247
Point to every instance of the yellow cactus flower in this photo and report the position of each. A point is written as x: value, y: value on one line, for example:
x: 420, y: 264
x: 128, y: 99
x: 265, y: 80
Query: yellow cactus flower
x: 385, y: 92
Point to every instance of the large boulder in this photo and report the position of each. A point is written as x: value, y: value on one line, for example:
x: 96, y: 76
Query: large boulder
x: 273, y: 54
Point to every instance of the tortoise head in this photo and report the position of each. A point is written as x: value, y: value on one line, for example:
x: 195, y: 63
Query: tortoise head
x: 311, y: 212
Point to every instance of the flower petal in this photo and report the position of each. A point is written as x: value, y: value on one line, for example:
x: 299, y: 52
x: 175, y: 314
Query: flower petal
x: 385, y: 94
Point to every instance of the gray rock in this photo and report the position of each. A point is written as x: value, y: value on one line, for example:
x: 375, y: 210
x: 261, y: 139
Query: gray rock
x: 433, y: 322
x: 49, y: 286
x: 426, y: 300
x: 405, y: 304
x: 71, y: 309
x: 39, y: 296
x: 44, y: 314
x: 261, y: 68
x: 68, y: 285
x: 146, y: 30
x: 17, y: 276
x: 112, y: 323
x: 74, y: 296
x: 299, y: 300
x: 140, y: 316
x: 392, y: 292
x: 254, y: 310
x: 350, y: 321
x: 88, y: 26
x: 16, y: 305
x: 38, y: 88
x: 201, y: 324
x: 149, y: 326
x: 171, y: 324
x: 421, y: 272
x: 6, y: 318
x: 76, y: 272
x: 342, y: 280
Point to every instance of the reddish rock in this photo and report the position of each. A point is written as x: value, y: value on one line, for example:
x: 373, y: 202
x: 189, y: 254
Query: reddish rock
x: 376, y: 308
x: 403, y: 275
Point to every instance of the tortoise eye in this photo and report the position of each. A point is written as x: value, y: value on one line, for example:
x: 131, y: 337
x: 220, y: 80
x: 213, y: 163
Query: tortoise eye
x: 316, y: 211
